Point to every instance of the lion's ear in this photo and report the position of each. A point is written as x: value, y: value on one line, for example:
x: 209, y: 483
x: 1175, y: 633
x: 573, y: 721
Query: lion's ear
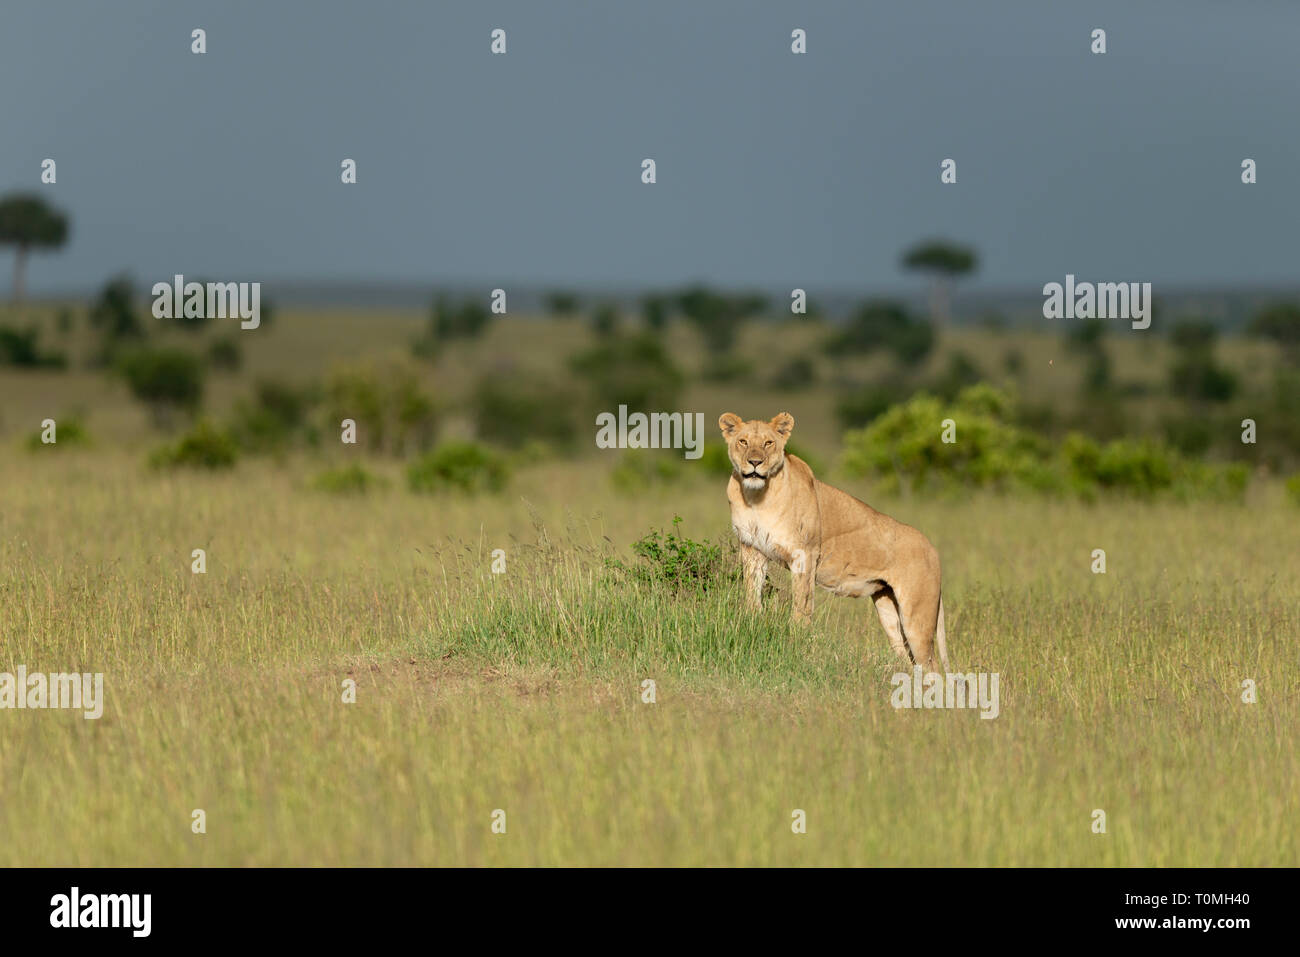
x: 784, y: 424
x: 728, y: 422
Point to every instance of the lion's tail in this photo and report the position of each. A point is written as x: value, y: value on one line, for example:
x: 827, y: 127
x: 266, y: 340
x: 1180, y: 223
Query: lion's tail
x: 941, y: 637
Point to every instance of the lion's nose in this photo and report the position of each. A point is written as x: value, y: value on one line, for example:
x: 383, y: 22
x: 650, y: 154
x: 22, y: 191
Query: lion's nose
x: 755, y: 461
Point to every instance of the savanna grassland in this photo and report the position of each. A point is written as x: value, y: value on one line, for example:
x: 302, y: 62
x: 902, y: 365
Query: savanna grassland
x: 521, y: 690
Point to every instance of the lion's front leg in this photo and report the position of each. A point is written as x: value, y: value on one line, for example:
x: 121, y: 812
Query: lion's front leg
x: 803, y: 577
x: 754, y: 564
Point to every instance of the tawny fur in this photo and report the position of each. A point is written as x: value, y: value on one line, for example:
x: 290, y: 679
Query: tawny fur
x: 782, y: 513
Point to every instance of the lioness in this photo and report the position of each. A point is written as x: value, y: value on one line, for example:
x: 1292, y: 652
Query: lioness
x: 780, y: 511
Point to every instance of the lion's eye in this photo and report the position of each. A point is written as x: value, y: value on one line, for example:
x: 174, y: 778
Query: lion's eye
x: 767, y: 444
x: 743, y: 442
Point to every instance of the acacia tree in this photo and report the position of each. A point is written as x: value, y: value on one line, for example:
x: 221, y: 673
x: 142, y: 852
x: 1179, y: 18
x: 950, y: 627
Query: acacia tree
x: 27, y: 222
x: 945, y: 262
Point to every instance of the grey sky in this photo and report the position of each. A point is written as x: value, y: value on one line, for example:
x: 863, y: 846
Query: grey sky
x: 814, y: 170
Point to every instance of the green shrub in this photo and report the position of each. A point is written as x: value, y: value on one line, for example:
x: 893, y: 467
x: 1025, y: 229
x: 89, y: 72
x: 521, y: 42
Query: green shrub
x: 459, y: 466
x: 68, y: 430
x: 654, y: 311
x: 1013, y: 362
x: 718, y: 317
x: 883, y: 325
x: 1279, y: 322
x: 641, y: 469
x: 205, y: 446
x: 714, y: 459
x: 1200, y: 377
x: 904, y: 447
x: 113, y: 312
x: 514, y: 410
x: 562, y: 302
x: 225, y: 354
x: 353, y: 479
x: 1195, y: 374
x: 275, y: 415
x: 164, y: 378
x: 679, y: 563
x: 635, y: 371
x: 960, y: 373
x: 384, y: 398
x: 1139, y: 466
x: 604, y: 319
x: 862, y: 405
x: 19, y: 348
x: 1190, y: 435
x: 1293, y: 489
x: 726, y: 367
x: 796, y: 375
x: 466, y: 320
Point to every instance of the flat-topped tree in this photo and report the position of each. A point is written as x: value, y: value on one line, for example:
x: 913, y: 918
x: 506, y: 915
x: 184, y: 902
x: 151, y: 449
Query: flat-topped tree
x: 944, y: 261
x: 27, y: 222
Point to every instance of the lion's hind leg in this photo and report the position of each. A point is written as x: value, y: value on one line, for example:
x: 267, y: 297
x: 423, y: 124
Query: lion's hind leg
x: 887, y: 609
x: 919, y: 611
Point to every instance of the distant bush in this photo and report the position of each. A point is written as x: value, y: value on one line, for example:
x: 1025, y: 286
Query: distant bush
x: 164, y: 378
x: 1293, y: 489
x: 1190, y: 435
x: 883, y: 325
x: 19, y: 348
x: 511, y: 410
x: 113, y: 312
x: 384, y: 398
x: 68, y: 431
x: 274, y: 416
x: 718, y: 317
x: 466, y: 320
x: 960, y: 373
x: 225, y: 354
x: 353, y: 479
x: 604, y: 319
x: 561, y: 302
x: 206, y: 446
x: 714, y: 458
x: 726, y: 367
x: 862, y: 405
x: 458, y: 466
x: 640, y: 469
x: 655, y: 312
x: 1279, y: 322
x: 795, y: 375
x: 1195, y: 374
x: 1085, y: 335
x: 1199, y: 377
x: 635, y: 371
x: 426, y: 347
x: 904, y: 447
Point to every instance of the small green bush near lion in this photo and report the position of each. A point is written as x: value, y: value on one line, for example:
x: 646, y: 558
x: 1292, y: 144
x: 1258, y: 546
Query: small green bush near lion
x: 364, y: 679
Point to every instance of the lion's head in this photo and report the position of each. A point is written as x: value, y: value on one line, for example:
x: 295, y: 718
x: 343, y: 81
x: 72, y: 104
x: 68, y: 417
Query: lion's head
x: 756, y: 448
